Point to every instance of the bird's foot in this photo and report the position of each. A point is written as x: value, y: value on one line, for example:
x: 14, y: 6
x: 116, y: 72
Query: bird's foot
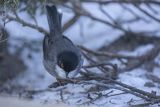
x: 56, y: 84
x: 60, y: 82
x: 53, y: 85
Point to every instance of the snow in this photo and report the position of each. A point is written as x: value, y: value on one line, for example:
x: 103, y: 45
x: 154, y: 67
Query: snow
x: 95, y: 35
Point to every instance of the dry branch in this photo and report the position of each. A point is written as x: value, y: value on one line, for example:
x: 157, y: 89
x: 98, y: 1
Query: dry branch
x: 111, y: 84
x: 107, y: 54
x: 104, y: 2
x: 24, y: 23
x: 106, y: 80
x: 148, y: 14
x: 71, y: 22
x: 83, y: 12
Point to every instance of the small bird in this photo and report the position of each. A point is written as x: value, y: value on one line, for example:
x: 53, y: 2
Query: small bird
x: 62, y: 58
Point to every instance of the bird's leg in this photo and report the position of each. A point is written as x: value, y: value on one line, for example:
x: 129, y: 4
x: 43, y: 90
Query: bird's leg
x: 67, y: 78
x: 71, y: 80
x: 56, y: 84
x: 74, y: 81
x: 67, y: 75
x: 60, y: 81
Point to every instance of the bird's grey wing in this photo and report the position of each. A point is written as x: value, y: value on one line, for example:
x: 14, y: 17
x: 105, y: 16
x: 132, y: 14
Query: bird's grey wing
x: 45, y: 46
x: 50, y: 67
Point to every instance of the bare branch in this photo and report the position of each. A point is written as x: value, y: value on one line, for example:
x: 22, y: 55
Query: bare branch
x: 83, y: 12
x: 107, y: 54
x: 104, y: 2
x: 70, y: 22
x: 24, y: 23
x: 112, y: 84
x: 148, y: 14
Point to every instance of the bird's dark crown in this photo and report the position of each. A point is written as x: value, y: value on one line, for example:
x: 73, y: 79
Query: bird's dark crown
x: 67, y: 60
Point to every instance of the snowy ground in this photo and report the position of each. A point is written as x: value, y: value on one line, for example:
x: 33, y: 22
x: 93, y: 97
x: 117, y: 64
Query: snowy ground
x: 94, y: 37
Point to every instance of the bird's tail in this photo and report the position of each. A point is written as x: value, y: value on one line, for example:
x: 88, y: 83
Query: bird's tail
x: 54, y: 19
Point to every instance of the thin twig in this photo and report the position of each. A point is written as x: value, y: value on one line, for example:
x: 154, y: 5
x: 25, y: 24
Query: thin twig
x: 147, y: 13
x: 107, y: 54
x: 105, y: 2
x: 24, y: 23
x: 119, y: 88
x: 98, y: 64
x: 83, y: 12
x: 71, y: 22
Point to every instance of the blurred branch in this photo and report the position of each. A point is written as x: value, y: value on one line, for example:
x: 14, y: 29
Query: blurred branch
x: 119, y: 88
x: 70, y: 22
x: 38, y: 28
x: 147, y: 104
x: 100, y: 95
x: 79, y: 11
x: 83, y: 12
x: 3, y: 40
x: 104, y: 82
x: 151, y: 8
x: 137, y: 17
x: 24, y: 23
x: 109, y: 71
x: 140, y: 60
x: 3, y: 35
x: 98, y: 64
x: 146, y: 13
x: 103, y: 11
x: 148, y: 57
x: 103, y: 69
x: 104, y: 2
x: 107, y: 54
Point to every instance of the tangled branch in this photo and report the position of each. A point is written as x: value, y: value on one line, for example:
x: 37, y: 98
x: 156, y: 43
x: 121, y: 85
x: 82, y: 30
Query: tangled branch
x: 109, y: 71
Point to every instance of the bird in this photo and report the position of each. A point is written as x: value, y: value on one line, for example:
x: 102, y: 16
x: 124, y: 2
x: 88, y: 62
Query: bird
x: 61, y: 58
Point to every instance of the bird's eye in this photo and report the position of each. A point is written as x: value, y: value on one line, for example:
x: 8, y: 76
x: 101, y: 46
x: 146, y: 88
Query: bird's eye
x: 61, y: 65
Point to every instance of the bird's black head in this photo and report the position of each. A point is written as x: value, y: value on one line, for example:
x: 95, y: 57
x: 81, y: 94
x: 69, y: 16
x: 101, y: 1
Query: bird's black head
x: 68, y: 61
